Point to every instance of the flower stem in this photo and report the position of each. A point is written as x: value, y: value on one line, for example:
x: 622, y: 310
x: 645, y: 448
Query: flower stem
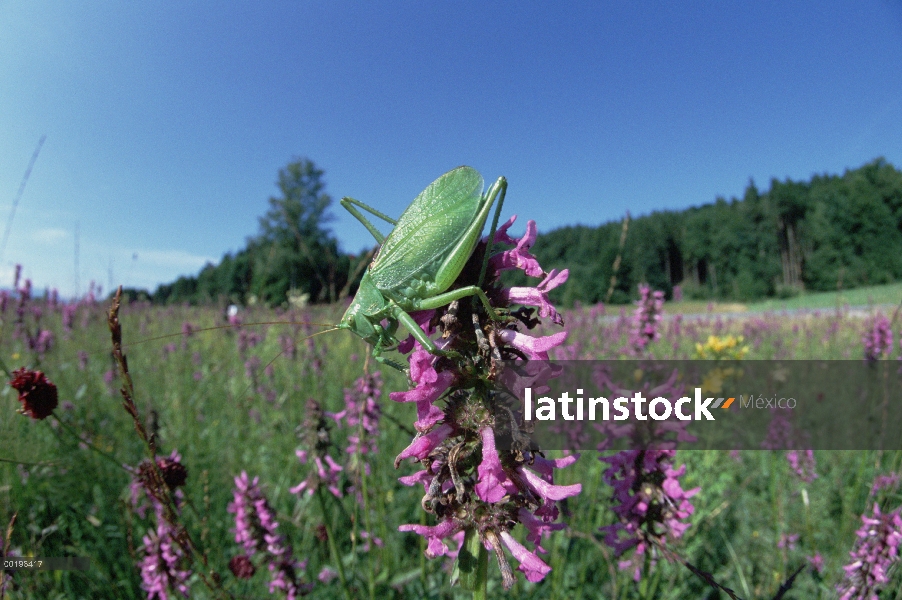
x: 332, y: 547
x: 371, y: 582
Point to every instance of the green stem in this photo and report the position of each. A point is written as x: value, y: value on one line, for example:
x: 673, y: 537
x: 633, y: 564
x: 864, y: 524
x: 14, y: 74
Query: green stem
x: 482, y: 592
x: 371, y: 582
x: 332, y: 547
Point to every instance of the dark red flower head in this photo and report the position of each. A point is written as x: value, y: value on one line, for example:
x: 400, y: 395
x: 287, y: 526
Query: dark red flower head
x: 37, y: 394
x: 174, y: 473
x: 242, y: 567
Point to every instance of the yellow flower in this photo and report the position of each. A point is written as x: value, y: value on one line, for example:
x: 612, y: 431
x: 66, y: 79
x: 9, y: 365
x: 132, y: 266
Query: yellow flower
x: 713, y: 382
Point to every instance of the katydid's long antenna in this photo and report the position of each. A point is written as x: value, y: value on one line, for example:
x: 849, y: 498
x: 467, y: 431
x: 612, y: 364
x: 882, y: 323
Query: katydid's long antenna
x: 283, y: 352
x: 12, y: 212
x: 199, y: 330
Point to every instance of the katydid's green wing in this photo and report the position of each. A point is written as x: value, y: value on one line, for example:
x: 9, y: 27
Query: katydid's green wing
x: 429, y: 229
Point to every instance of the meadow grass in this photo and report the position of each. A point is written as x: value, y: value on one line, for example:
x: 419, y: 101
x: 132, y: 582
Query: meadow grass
x: 211, y: 397
x: 878, y: 295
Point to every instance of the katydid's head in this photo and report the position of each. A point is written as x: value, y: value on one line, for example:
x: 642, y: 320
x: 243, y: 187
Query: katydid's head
x: 366, y: 311
x: 356, y: 321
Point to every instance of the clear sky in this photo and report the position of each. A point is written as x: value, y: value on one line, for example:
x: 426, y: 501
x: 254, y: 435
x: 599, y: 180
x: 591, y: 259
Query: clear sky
x: 167, y: 122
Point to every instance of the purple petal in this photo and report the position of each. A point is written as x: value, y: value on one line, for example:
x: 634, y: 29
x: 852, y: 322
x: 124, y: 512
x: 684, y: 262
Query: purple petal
x: 533, y: 567
x: 421, y: 446
x: 536, y: 348
x: 493, y: 483
x: 546, y: 490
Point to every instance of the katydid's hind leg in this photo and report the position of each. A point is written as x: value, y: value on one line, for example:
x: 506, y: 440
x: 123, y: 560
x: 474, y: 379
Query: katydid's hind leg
x: 414, y: 329
x: 350, y: 205
x: 449, y: 297
x: 499, y: 188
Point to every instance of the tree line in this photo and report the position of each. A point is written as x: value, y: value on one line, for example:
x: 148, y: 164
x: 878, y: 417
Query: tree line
x: 823, y: 234
x: 831, y: 232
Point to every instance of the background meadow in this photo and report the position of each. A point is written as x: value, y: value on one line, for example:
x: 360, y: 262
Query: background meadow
x: 741, y: 153
x: 232, y: 400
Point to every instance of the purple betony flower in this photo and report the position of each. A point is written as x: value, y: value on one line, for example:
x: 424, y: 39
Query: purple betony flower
x: 519, y: 256
x: 648, y: 499
x: 533, y: 567
x: 538, y: 296
x: 646, y: 319
x: 327, y: 474
x: 804, y: 464
x: 788, y: 541
x: 361, y: 414
x: 256, y: 531
x: 493, y: 483
x: 160, y: 567
x: 885, y: 481
x: 163, y: 565
x: 650, y: 504
x: 317, y: 441
x: 289, y: 349
x: 370, y: 540
x: 817, y: 562
x: 875, y: 551
x: 878, y: 338
x: 480, y: 473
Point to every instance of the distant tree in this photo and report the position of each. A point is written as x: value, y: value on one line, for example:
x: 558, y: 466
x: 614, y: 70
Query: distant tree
x: 294, y: 249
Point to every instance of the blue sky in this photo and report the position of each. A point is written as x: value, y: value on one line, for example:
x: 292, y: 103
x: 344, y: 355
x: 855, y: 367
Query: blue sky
x: 167, y: 122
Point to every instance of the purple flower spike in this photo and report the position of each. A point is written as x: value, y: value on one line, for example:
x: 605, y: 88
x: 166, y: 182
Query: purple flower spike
x: 646, y: 318
x: 878, y: 339
x: 875, y: 551
x: 533, y: 567
x: 160, y: 573
x: 649, y: 502
x: 255, y: 530
x: 494, y: 484
x: 483, y: 498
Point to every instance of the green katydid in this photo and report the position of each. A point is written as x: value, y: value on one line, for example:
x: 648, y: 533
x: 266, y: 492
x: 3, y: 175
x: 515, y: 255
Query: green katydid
x: 422, y: 257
